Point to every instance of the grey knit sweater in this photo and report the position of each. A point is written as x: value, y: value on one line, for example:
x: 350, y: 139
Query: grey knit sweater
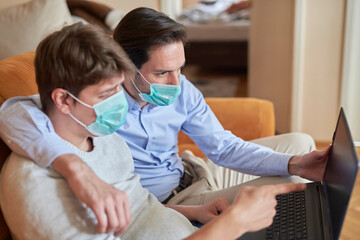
x: 38, y: 204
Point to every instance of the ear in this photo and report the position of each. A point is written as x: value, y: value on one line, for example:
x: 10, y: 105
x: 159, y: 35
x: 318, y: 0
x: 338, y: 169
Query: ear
x: 62, y: 100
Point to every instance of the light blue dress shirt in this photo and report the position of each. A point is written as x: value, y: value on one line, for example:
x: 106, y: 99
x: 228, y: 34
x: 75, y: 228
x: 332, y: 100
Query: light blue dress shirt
x: 151, y: 134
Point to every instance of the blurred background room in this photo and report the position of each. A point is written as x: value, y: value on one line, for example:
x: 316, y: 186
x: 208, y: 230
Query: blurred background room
x: 302, y: 55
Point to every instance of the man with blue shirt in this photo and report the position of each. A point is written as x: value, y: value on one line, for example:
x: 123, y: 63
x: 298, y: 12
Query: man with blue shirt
x: 161, y: 103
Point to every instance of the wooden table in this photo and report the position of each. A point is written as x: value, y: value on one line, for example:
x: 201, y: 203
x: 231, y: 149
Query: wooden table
x: 351, y: 228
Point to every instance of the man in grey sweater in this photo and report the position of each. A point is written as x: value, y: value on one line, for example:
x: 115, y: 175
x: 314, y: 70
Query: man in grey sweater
x: 80, y: 72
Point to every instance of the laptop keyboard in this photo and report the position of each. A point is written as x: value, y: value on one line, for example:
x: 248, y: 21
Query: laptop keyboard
x: 290, y: 219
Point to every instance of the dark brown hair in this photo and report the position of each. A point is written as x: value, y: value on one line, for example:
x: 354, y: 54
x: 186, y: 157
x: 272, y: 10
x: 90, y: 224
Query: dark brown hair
x: 144, y: 28
x: 75, y: 57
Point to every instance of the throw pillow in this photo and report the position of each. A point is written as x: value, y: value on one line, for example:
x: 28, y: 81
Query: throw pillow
x: 23, y: 26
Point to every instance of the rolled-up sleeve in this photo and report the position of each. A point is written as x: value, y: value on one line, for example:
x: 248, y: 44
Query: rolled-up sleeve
x: 223, y: 147
x: 28, y: 131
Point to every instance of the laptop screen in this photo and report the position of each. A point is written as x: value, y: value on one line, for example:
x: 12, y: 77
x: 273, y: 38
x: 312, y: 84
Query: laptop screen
x: 340, y: 174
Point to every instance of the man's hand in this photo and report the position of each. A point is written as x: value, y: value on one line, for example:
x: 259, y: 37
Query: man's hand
x: 252, y: 209
x: 202, y: 213
x: 310, y: 166
x: 205, y: 213
x: 256, y: 205
x: 110, y: 205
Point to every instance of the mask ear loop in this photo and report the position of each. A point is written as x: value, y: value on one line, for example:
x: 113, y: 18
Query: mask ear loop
x: 132, y: 81
x: 85, y: 104
x: 77, y: 120
x: 142, y: 76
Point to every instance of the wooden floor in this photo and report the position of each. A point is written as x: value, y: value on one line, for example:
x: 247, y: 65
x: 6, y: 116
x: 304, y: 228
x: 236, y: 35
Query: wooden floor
x: 351, y: 228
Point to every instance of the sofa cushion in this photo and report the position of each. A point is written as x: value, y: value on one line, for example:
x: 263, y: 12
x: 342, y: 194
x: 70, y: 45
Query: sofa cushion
x: 17, y: 76
x: 23, y: 26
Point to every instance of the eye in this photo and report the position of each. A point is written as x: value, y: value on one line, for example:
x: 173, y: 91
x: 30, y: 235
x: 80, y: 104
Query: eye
x: 162, y: 74
x: 104, y: 95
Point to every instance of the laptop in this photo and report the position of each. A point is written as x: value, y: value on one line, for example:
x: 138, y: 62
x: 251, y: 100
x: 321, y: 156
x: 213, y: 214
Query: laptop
x: 320, y: 209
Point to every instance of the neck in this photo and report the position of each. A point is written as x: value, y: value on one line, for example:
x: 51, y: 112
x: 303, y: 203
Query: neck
x: 71, y: 131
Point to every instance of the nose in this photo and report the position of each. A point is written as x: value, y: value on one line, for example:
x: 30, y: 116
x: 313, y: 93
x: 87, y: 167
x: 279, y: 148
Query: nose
x: 118, y: 88
x: 174, y: 78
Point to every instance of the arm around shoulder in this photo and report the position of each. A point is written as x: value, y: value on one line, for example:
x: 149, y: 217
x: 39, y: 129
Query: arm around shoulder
x: 29, y: 132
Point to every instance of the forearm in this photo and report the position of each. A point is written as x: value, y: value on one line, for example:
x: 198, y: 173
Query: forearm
x: 293, y: 167
x: 224, y: 226
x: 102, y: 198
x: 190, y: 212
x: 70, y: 166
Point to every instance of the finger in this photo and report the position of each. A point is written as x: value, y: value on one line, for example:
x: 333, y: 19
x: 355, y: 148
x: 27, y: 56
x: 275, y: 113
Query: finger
x: 124, y: 214
x: 123, y: 219
x: 127, y: 210
x: 113, y: 221
x: 122, y: 226
x: 101, y: 218
x: 288, y: 187
x: 222, y: 206
x: 327, y: 150
x: 118, y: 233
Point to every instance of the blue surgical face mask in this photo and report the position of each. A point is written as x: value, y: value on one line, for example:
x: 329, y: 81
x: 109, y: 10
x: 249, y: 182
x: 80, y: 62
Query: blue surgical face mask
x: 160, y: 94
x: 110, y: 114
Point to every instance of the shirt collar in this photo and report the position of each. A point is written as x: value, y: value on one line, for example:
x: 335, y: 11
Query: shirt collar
x: 131, y: 101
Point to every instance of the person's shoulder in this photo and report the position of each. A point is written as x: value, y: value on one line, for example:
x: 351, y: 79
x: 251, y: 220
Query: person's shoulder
x: 20, y: 168
x: 189, y: 93
x: 188, y: 88
x: 185, y: 83
x: 111, y: 138
x: 112, y: 141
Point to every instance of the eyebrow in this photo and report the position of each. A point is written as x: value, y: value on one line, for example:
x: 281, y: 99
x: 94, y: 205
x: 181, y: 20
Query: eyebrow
x: 164, y: 70
x: 108, y: 90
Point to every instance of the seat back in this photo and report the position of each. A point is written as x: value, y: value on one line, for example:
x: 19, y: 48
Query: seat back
x: 17, y: 78
x: 247, y: 118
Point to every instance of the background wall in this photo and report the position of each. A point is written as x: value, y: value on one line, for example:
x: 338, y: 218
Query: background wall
x: 188, y: 3
x: 270, y: 56
x: 350, y: 97
x: 302, y: 79
x: 8, y: 3
x: 323, y: 48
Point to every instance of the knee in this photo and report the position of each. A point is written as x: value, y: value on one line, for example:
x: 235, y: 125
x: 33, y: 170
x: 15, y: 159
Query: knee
x: 303, y: 142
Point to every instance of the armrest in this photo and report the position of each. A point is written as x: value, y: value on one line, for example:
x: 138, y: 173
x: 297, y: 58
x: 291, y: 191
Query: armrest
x: 248, y: 118
x: 17, y: 78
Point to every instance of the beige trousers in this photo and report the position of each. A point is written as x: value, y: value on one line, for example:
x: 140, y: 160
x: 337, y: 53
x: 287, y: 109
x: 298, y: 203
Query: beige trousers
x: 213, y: 181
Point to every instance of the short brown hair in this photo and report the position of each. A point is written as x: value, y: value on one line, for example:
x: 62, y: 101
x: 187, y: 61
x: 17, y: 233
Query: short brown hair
x: 145, y: 28
x: 75, y: 57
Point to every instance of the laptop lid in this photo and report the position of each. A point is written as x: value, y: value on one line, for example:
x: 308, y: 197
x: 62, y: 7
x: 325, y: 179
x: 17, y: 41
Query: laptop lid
x: 340, y: 175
